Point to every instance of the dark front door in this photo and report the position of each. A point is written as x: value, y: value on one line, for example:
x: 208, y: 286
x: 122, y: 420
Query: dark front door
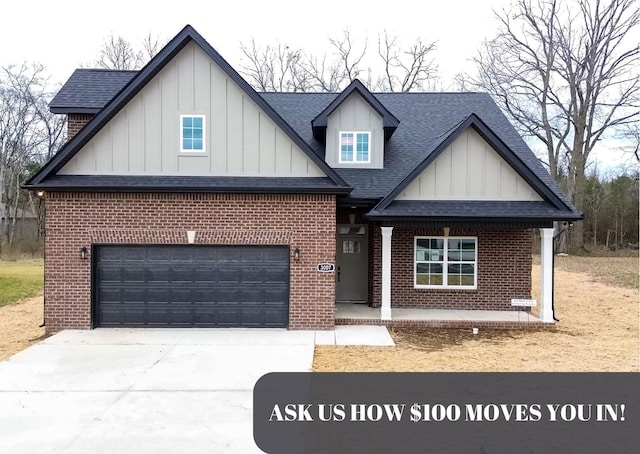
x: 352, y: 260
x: 191, y: 286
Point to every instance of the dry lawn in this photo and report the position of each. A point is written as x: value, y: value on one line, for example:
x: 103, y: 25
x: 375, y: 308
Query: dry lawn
x: 596, y: 301
x: 19, y: 325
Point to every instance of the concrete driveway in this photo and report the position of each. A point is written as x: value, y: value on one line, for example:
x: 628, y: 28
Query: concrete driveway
x: 143, y: 391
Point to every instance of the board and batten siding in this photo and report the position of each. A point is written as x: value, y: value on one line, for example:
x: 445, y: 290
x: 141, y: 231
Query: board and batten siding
x: 355, y: 114
x: 144, y: 137
x: 469, y: 169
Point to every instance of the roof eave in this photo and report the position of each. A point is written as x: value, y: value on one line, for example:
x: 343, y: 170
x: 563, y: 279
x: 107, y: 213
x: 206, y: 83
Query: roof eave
x: 524, y: 218
x: 74, y: 110
x: 188, y: 189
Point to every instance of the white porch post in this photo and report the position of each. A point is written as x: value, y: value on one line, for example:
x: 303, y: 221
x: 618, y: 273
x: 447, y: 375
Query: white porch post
x: 385, y: 310
x: 546, y: 287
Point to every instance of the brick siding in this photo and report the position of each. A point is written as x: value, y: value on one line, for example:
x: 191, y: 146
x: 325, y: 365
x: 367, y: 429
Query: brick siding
x: 504, y: 270
x: 76, y: 220
x: 75, y: 122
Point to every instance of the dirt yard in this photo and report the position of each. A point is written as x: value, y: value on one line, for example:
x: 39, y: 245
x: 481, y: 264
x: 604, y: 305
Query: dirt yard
x: 19, y: 325
x: 596, y: 302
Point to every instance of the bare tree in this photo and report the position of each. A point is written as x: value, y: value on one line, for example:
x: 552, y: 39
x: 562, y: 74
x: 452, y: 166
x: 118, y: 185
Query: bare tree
x: 631, y: 133
x: 274, y: 68
x: 151, y: 45
x: 405, y: 69
x: 28, y: 134
x: 118, y: 53
x: 349, y: 57
x: 278, y: 68
x: 567, y: 74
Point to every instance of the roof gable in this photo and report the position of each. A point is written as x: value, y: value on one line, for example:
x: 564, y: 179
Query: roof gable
x: 143, y: 77
x: 496, y: 143
x: 469, y: 169
x: 389, y: 121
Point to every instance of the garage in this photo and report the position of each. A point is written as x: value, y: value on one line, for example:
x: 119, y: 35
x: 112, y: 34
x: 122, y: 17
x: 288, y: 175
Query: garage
x: 191, y: 286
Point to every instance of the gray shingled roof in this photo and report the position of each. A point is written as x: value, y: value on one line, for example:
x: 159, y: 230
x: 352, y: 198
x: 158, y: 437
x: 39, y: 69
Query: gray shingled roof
x: 89, y: 90
x: 425, y: 118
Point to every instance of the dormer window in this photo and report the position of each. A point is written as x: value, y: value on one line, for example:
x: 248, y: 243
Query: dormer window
x: 192, y: 133
x: 355, y: 147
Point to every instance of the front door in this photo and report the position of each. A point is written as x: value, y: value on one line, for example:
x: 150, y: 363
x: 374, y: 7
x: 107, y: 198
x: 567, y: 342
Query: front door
x: 352, y: 260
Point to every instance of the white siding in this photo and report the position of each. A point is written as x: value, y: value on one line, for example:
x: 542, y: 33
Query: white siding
x: 144, y: 137
x: 355, y: 114
x: 469, y: 169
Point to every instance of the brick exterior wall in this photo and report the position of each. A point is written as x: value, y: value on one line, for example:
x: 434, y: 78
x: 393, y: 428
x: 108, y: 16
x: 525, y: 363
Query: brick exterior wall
x: 504, y: 270
x: 75, y: 122
x: 75, y: 220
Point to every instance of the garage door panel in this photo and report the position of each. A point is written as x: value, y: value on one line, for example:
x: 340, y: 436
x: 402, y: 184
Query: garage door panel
x: 228, y: 275
x: 131, y: 274
x: 276, y: 275
x: 228, y: 254
x: 158, y: 254
x: 204, y: 274
x: 110, y: 274
x: 213, y: 286
x: 276, y: 255
x: 157, y: 273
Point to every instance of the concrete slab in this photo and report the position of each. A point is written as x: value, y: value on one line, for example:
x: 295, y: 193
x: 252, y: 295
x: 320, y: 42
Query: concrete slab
x: 325, y: 337
x: 47, y: 422
x: 79, y: 367
x: 147, y: 391
x: 363, y: 335
x: 172, y: 422
x: 237, y: 367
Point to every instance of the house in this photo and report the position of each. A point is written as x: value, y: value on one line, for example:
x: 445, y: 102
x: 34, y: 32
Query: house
x: 24, y: 222
x: 185, y: 198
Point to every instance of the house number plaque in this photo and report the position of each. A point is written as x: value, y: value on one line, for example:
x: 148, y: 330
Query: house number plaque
x: 326, y: 267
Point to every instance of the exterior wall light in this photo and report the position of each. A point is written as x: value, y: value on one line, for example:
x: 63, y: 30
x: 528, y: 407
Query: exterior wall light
x: 296, y: 254
x: 40, y: 194
x: 84, y: 253
x: 445, y: 231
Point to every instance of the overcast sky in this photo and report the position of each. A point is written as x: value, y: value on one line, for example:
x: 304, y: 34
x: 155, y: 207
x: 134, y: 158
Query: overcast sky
x: 65, y: 34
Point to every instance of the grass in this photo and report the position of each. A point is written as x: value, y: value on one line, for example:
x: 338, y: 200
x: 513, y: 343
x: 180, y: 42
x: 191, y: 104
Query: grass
x: 20, y: 280
x: 616, y: 271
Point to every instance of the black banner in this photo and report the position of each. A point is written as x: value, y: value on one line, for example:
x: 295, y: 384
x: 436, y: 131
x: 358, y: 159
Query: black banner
x: 482, y: 413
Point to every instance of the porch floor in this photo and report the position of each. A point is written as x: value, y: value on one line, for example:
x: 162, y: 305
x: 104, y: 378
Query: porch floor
x: 349, y: 313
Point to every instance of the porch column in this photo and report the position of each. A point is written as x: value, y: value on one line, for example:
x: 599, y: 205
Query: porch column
x: 546, y: 287
x: 385, y: 310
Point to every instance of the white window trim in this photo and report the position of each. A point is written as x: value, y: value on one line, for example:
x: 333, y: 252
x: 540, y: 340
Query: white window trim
x: 355, y: 146
x: 444, y: 264
x: 204, y: 136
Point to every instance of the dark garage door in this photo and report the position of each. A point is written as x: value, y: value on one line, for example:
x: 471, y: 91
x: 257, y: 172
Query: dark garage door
x: 191, y: 285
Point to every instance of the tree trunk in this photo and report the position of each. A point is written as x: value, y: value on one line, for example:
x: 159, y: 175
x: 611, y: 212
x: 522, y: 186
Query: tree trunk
x: 576, y: 181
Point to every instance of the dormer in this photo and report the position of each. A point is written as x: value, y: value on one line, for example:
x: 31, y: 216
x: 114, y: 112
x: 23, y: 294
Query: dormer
x: 354, y: 128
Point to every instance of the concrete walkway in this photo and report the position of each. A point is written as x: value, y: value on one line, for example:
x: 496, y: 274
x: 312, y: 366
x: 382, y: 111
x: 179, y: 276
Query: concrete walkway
x: 150, y: 390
